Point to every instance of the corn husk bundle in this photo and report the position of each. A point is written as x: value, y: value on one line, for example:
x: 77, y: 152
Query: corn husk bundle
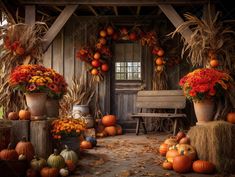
x: 160, y: 78
x: 21, y: 45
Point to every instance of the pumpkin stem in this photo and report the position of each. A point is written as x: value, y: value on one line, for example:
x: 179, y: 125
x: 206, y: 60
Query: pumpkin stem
x: 55, y: 152
x: 66, y: 147
x: 24, y: 139
x: 182, y: 152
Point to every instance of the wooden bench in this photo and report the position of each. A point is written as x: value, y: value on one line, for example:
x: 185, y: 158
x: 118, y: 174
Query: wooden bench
x: 159, y: 102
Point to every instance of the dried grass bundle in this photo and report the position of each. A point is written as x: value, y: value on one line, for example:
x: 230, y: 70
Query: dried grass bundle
x: 215, y: 142
x: 160, y: 79
x: 209, y: 35
x: 21, y: 45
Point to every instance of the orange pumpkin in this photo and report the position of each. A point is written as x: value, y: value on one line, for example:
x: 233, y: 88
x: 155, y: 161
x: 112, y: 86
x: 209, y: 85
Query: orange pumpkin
x: 96, y: 56
x: 202, y: 166
x: 94, y: 71
x: 171, y: 141
x: 118, y: 129
x: 49, y: 172
x: 109, y: 120
x: 188, y: 150
x: 184, y: 140
x: 167, y: 165
x: 8, y: 154
x: 231, y: 117
x: 24, y: 115
x: 160, y: 52
x: 25, y: 147
x: 163, y: 149
x: 13, y: 116
x: 111, y: 130
x: 182, y: 163
x: 86, y: 145
x: 103, y: 33
x: 159, y: 61
x: 70, y: 165
x: 95, y: 63
x: 171, y: 154
x: 214, y: 63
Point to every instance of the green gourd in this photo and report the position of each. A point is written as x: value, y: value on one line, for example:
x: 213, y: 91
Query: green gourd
x: 56, y: 160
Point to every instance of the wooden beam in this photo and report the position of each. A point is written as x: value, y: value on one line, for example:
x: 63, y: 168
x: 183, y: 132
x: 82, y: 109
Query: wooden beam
x: 30, y: 14
x: 115, y: 10
x: 138, y: 10
x: 7, y: 11
x: 175, y: 19
x: 93, y: 10
x: 114, y: 2
x: 58, y: 25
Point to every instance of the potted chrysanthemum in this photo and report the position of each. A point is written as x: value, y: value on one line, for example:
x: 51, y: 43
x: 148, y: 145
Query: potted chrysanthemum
x: 202, y: 86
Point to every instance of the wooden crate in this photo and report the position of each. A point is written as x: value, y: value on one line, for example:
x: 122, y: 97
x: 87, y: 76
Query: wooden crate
x: 20, y: 128
x: 41, y: 138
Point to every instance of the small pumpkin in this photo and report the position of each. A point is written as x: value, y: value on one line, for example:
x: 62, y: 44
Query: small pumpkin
x: 37, y: 163
x: 159, y: 61
x: 24, y: 114
x: 86, y: 145
x: 171, y: 154
x: 110, y: 30
x: 231, y: 117
x: 64, y: 172
x: 25, y: 147
x: 13, y: 116
x: 167, y: 165
x: 180, y: 135
x: 171, y: 141
x: 184, y: 140
x: 55, y: 160
x: 69, y: 154
x: 188, y: 150
x: 8, y: 154
x: 182, y: 163
x: 92, y: 140
x: 49, y: 172
x: 111, y: 130
x: 70, y: 165
x: 214, y: 63
x: 163, y: 149
x: 109, y: 120
x: 202, y: 166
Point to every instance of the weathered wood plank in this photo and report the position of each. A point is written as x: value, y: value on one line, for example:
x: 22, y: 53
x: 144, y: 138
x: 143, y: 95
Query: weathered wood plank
x: 58, y: 24
x: 160, y: 92
x: 179, y: 105
x: 40, y: 137
x: 114, y: 2
x: 158, y: 115
x: 176, y: 20
x: 57, y: 60
x: 30, y: 14
x: 169, y: 99
x: 20, y: 128
x: 47, y: 57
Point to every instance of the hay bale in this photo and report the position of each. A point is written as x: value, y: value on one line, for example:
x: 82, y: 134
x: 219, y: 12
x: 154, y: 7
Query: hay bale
x: 215, y: 142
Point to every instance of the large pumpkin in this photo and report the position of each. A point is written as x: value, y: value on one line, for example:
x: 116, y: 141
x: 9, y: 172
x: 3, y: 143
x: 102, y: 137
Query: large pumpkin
x: 8, y: 154
x: 49, y: 172
x: 171, y: 154
x: 188, y: 150
x: 38, y: 163
x: 25, y: 147
x: 109, y: 120
x: 182, y: 163
x: 202, y: 166
x: 163, y: 149
x: 231, y: 117
x: 55, y: 160
x: 111, y: 130
x: 69, y: 154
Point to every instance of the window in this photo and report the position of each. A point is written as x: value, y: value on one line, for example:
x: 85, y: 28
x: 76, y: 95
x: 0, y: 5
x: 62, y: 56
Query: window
x: 128, y: 61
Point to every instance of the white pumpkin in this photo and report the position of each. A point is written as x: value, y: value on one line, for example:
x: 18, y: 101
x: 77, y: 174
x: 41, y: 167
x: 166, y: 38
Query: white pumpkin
x: 64, y: 172
x: 69, y: 154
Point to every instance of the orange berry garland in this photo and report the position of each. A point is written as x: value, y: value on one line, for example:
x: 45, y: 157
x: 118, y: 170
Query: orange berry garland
x: 65, y: 127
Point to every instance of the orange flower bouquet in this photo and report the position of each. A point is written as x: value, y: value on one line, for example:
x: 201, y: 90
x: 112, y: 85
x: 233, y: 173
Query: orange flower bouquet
x: 37, y: 78
x: 205, y: 83
x: 67, y: 127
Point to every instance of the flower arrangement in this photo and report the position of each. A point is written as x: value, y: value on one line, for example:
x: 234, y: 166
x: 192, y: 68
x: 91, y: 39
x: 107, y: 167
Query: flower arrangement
x: 37, y: 78
x: 205, y: 83
x: 67, y: 127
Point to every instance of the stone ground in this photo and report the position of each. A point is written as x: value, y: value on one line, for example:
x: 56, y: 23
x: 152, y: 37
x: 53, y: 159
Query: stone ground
x: 127, y: 155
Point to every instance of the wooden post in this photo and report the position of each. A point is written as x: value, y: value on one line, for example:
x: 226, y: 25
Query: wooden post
x: 30, y: 14
x: 40, y: 137
x: 20, y: 128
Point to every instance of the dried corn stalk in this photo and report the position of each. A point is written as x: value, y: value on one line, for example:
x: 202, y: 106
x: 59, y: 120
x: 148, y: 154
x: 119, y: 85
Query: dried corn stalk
x: 208, y: 34
x: 28, y: 39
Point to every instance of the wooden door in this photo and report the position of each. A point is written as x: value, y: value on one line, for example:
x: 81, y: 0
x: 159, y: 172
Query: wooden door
x: 127, y: 79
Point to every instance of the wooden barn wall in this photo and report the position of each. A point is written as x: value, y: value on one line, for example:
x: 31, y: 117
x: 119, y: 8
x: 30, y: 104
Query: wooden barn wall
x: 61, y: 56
